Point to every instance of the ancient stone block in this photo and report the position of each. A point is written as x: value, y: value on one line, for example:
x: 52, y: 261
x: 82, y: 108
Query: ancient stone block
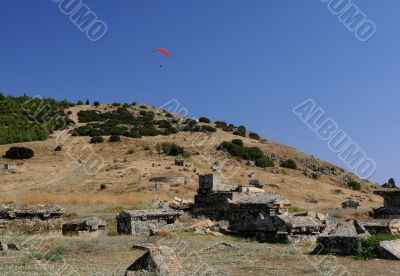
x: 92, y: 227
x: 158, y: 260
x: 141, y: 221
x: 389, y: 250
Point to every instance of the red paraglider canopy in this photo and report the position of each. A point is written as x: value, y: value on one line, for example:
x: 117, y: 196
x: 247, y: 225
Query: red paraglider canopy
x: 163, y: 51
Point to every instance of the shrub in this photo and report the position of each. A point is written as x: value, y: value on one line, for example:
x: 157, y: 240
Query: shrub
x: 354, y: 185
x: 87, y: 102
x: 130, y: 151
x: 237, y: 142
x: 246, y: 153
x: 115, y: 138
x: 79, y: 103
x: 254, y: 135
x: 96, y: 140
x: 19, y: 153
x: 289, y: 163
x: 241, y: 131
x: 369, y: 246
x: 96, y: 104
x: 204, y: 120
x: 172, y: 149
x: 264, y: 163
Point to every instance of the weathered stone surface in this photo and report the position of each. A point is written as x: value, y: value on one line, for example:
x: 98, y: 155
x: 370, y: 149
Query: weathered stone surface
x: 43, y: 212
x: 256, y: 183
x: 252, y: 211
x: 390, y: 250
x: 181, y: 204
x: 219, y: 246
x: 344, y: 240
x: 31, y: 226
x: 160, y: 260
x: 350, y: 204
x: 141, y: 221
x: 84, y: 226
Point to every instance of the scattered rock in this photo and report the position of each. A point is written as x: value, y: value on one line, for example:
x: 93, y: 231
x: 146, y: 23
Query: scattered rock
x: 203, y: 227
x: 390, y: 250
x: 160, y: 260
x: 219, y: 246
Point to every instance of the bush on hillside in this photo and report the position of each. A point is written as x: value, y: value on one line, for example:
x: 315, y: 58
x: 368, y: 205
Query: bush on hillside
x: 254, y: 136
x: 171, y: 149
x: 241, y: 131
x: 115, y: 138
x: 96, y: 104
x: 246, y: 153
x: 264, y: 162
x: 354, y: 185
x: 204, y: 120
x: 237, y: 142
x: 96, y: 140
x: 19, y: 153
x: 289, y: 164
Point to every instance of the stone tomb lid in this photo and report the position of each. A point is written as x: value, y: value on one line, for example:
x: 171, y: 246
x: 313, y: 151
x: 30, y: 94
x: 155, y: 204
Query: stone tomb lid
x: 14, y: 211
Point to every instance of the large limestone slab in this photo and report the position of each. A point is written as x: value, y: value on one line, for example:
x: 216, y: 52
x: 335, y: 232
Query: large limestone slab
x: 390, y: 250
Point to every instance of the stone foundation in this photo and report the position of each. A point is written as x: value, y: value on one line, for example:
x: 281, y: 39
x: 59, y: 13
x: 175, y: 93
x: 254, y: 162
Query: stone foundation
x: 143, y: 221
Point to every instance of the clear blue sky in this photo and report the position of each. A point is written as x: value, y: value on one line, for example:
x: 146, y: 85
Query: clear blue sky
x: 244, y: 62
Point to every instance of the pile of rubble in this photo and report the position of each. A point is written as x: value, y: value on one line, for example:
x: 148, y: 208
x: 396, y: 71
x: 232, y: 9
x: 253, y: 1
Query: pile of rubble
x: 29, y: 219
x: 144, y: 222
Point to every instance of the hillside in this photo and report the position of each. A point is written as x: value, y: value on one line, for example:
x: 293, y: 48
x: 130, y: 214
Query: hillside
x: 124, y: 177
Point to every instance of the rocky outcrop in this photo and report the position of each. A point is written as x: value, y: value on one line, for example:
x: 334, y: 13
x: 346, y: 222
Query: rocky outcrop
x: 158, y: 260
x: 389, y: 250
x: 140, y: 222
x: 92, y: 227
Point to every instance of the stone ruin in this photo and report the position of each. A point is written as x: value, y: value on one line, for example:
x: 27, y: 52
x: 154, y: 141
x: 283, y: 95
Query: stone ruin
x: 345, y: 239
x: 252, y: 211
x: 391, y: 208
x: 157, y: 260
x: 350, y: 204
x: 145, y: 222
x: 29, y: 219
x: 85, y: 227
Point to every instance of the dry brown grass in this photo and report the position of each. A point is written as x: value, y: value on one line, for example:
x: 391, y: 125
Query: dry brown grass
x: 133, y: 198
